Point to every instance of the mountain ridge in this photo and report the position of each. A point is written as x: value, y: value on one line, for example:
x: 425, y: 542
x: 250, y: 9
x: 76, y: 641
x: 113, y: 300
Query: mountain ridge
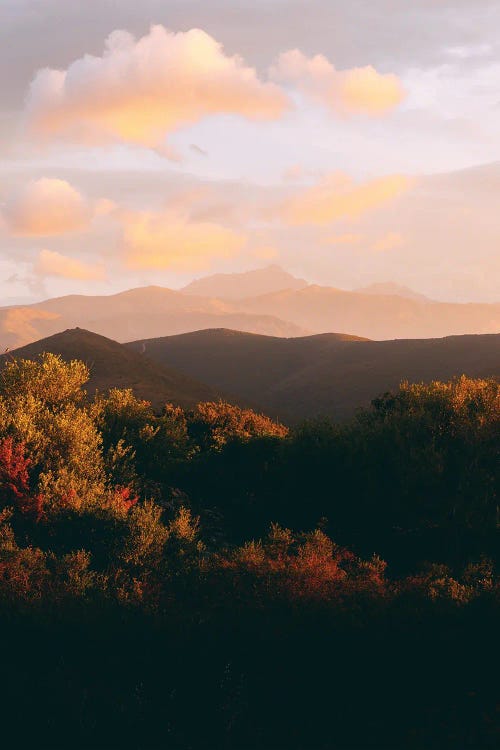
x: 326, y: 374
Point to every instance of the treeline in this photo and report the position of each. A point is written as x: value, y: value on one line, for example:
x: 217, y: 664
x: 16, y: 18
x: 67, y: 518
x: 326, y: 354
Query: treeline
x: 207, y: 578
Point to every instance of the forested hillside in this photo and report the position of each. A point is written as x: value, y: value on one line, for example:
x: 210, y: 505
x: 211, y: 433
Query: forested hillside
x: 209, y: 578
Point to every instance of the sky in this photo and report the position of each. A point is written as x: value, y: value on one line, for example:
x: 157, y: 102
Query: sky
x: 351, y: 142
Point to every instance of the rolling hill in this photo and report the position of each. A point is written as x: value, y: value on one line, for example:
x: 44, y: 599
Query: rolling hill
x: 330, y: 374
x: 113, y: 365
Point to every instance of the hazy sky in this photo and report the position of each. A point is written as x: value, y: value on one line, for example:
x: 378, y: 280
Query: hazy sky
x: 350, y: 141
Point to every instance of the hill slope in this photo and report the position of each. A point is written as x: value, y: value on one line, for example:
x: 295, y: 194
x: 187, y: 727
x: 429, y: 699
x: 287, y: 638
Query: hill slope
x: 114, y: 366
x: 329, y: 374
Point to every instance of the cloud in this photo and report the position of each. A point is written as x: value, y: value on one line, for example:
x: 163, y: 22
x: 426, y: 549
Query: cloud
x: 347, y: 92
x: 141, y: 90
x: 298, y: 173
x: 470, y: 51
x: 293, y: 173
x: 50, y: 263
x: 46, y: 207
x: 338, y: 197
x: 104, y: 207
x: 389, y: 241
x: 169, y: 240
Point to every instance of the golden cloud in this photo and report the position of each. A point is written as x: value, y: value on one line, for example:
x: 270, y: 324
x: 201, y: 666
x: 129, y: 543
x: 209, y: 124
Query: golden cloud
x: 170, y: 240
x: 141, y: 90
x: 354, y: 91
x: 46, y: 207
x: 338, y: 197
x: 50, y: 263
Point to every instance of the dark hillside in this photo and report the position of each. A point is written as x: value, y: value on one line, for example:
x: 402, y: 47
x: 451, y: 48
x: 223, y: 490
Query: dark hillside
x: 327, y: 374
x: 114, y: 366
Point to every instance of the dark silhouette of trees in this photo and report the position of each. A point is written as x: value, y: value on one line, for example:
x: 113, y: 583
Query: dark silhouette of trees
x: 211, y: 579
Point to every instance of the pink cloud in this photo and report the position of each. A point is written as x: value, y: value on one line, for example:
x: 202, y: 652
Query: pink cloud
x: 353, y: 91
x: 139, y: 90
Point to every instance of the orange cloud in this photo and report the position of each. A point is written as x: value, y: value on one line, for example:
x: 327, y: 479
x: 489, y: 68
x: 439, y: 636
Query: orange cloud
x: 170, y: 240
x: 140, y: 90
x: 338, y: 197
x: 46, y: 207
x: 51, y: 263
x: 354, y: 91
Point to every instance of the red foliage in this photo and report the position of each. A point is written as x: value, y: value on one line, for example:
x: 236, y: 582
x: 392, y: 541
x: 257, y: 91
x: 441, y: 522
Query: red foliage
x: 311, y: 568
x: 33, y: 506
x: 14, y: 480
x: 124, y: 499
x: 14, y: 477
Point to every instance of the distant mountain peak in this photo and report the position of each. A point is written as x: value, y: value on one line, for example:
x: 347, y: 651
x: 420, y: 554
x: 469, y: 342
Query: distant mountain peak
x: 252, y: 283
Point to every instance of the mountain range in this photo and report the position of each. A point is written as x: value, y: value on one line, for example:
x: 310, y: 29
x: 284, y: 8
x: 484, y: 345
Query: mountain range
x: 268, y: 301
x: 287, y: 378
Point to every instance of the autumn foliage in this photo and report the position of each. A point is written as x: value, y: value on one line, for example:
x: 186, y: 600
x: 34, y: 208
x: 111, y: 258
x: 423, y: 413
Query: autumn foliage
x: 328, y: 586
x: 14, y: 480
x: 13, y: 471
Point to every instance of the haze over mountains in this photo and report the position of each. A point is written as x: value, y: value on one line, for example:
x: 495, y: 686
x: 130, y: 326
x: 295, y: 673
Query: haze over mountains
x: 389, y: 287
x: 136, y: 313
x: 256, y: 302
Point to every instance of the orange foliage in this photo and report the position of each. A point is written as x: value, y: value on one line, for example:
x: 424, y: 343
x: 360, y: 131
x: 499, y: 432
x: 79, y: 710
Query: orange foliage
x: 312, y: 567
x: 225, y: 422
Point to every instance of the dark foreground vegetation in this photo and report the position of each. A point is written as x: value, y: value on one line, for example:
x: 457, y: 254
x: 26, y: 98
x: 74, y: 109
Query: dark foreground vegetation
x: 207, y: 579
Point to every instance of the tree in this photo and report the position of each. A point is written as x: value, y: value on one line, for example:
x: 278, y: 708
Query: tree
x: 142, y: 448
x: 48, y: 379
x: 42, y: 407
x: 213, y: 424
